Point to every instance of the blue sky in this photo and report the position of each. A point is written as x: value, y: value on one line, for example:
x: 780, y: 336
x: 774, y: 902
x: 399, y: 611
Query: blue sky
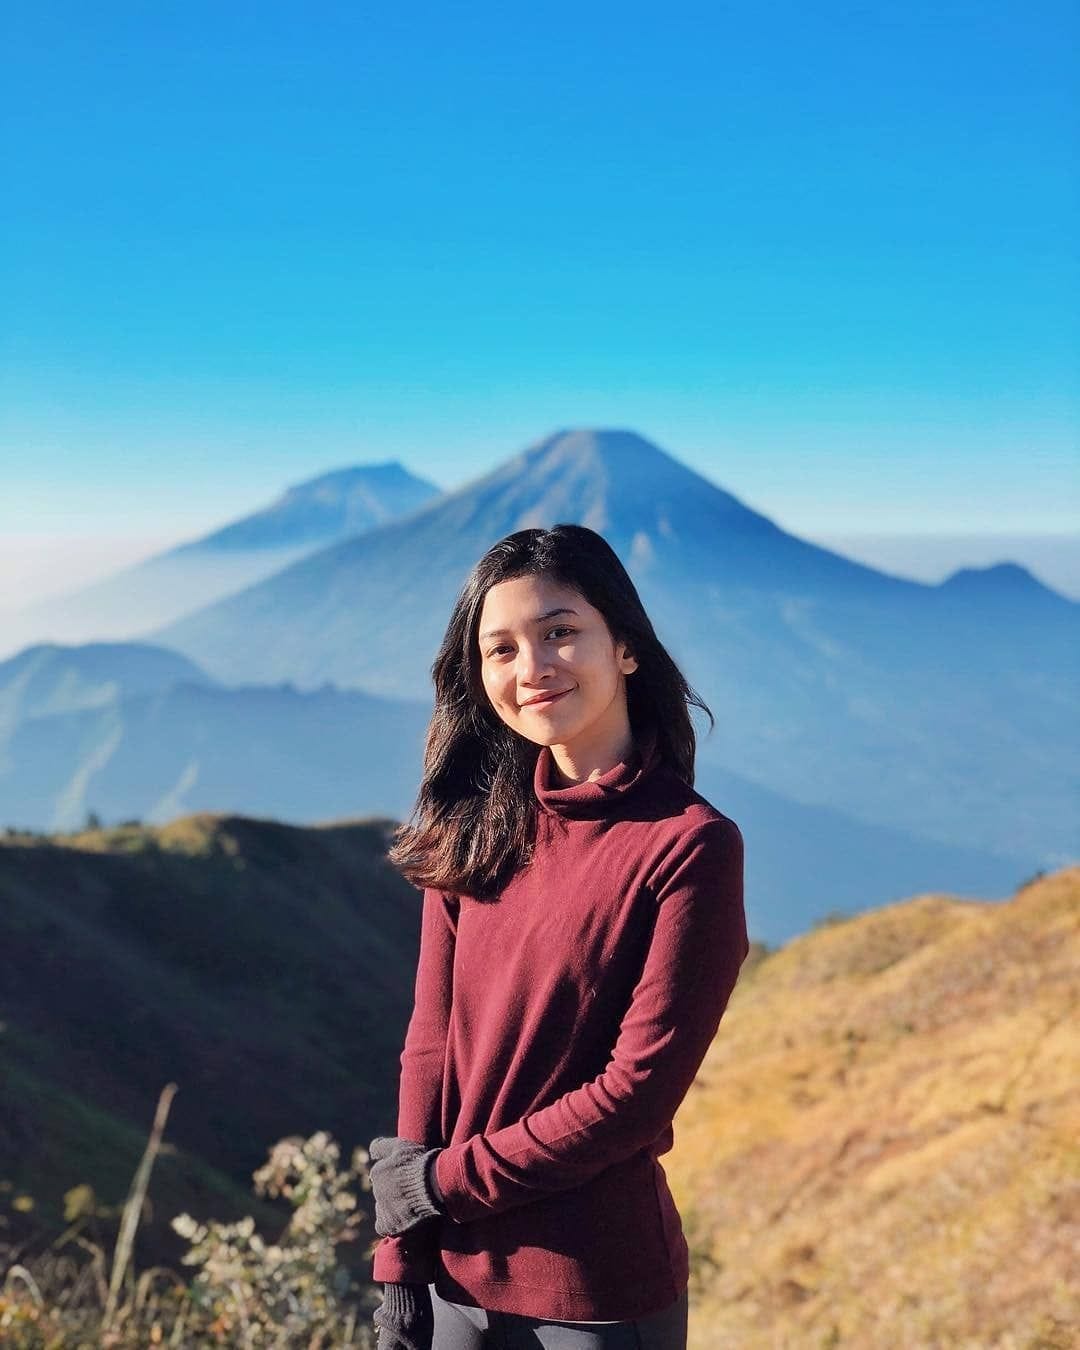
x: 824, y: 255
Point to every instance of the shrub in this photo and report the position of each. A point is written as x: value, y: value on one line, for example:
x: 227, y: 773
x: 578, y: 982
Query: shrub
x: 246, y: 1292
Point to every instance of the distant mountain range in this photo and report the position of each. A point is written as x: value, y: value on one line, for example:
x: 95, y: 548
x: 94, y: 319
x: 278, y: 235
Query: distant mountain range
x: 49, y: 680
x: 306, y: 517
x: 875, y: 736
x: 129, y: 732
x: 945, y: 711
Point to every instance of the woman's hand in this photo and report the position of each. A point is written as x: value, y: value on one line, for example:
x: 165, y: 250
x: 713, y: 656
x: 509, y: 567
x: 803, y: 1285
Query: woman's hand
x: 404, y: 1318
x: 404, y: 1195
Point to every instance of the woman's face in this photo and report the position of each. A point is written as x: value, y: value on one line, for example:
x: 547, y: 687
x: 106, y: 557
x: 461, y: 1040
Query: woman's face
x: 539, y: 638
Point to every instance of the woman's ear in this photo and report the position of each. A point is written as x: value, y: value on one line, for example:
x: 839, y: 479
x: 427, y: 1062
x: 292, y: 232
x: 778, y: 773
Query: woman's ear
x: 627, y: 662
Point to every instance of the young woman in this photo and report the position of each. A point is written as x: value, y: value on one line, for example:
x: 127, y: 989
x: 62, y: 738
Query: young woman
x: 582, y: 930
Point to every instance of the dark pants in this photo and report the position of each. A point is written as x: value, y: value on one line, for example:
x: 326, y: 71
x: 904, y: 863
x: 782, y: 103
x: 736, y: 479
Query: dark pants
x: 458, y: 1328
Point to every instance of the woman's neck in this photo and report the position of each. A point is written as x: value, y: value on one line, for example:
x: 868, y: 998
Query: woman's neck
x: 577, y: 763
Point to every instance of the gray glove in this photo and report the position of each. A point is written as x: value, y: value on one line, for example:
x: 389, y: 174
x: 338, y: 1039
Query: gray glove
x: 404, y: 1193
x: 404, y: 1318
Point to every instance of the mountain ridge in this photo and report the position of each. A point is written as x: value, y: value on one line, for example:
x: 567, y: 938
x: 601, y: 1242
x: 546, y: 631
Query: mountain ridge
x: 186, y: 577
x: 339, y: 502
x: 279, y: 753
x: 562, y: 492
x: 894, y: 701
x: 48, y: 678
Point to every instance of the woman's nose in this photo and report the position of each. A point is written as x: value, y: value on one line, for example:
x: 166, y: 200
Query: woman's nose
x: 533, y: 661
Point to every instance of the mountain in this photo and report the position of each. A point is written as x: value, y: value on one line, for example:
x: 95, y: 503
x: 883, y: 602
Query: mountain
x: 804, y: 862
x: 999, y: 580
x: 666, y: 522
x: 267, y: 970
x: 320, y: 510
x: 880, y: 1146
x: 194, y: 746
x: 174, y: 745
x: 48, y: 679
x: 308, y: 516
x: 944, y: 711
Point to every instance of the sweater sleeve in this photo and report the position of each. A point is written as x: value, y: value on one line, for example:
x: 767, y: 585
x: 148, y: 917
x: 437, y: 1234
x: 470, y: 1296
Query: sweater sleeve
x: 698, y: 944
x: 413, y: 1256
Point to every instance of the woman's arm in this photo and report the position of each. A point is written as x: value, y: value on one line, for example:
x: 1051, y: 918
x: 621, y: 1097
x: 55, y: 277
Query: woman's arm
x: 698, y: 944
x: 411, y: 1257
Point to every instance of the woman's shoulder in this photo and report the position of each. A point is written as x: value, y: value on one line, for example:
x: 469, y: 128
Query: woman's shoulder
x: 681, y: 815
x: 682, y: 801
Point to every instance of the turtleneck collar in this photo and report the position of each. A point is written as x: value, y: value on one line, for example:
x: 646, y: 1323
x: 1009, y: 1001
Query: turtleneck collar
x: 595, y: 797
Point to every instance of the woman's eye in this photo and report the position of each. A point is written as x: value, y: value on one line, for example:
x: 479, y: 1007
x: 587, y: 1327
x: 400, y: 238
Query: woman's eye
x: 562, y: 628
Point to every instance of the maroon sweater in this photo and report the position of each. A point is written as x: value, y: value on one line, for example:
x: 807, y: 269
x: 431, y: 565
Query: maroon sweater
x: 554, y: 1034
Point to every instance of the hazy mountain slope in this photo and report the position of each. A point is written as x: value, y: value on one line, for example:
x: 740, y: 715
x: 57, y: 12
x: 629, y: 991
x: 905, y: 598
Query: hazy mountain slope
x: 665, y: 521
x: 319, y: 510
x: 804, y: 862
x: 47, y: 679
x: 308, y: 516
x: 267, y: 970
x: 945, y: 711
x: 268, y: 751
x: 306, y: 757
x: 880, y: 1148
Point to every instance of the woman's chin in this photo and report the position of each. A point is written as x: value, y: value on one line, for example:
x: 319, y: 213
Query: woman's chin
x: 549, y: 734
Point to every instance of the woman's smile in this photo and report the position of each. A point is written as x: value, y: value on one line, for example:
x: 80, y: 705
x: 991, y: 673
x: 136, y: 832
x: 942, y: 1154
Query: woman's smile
x: 546, y: 700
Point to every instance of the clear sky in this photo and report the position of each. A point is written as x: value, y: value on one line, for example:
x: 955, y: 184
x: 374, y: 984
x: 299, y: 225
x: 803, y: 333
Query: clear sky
x: 824, y: 254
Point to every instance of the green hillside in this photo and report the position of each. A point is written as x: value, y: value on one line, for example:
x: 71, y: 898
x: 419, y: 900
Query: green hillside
x: 266, y: 969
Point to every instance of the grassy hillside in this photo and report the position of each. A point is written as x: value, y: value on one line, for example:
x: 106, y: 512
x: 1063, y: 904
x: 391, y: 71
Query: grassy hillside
x: 883, y: 1146
x: 264, y: 968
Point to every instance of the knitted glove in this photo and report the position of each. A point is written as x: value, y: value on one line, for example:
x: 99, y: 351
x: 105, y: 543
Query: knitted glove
x: 404, y: 1318
x: 404, y: 1194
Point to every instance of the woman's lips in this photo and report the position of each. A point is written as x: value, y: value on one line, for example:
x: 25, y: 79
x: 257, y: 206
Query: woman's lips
x: 547, y: 702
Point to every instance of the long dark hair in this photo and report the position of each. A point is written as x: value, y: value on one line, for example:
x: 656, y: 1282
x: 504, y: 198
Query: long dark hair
x: 474, y: 820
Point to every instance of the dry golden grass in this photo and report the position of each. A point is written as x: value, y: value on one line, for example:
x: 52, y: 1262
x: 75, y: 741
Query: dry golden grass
x: 883, y: 1148
x: 195, y: 835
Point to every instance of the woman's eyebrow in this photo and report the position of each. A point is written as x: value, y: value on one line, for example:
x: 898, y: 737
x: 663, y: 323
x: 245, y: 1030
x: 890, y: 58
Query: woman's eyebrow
x: 540, y: 618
